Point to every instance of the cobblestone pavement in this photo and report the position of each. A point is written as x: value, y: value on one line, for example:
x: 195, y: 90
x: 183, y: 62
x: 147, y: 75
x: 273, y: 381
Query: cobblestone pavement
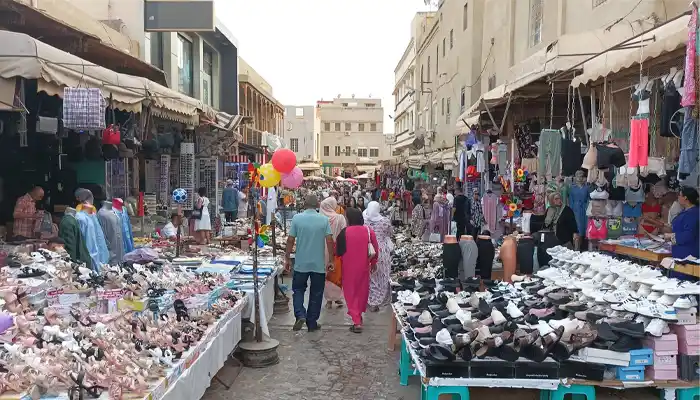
x: 335, y: 364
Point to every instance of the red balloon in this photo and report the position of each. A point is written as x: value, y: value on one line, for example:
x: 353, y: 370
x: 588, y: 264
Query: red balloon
x: 284, y: 160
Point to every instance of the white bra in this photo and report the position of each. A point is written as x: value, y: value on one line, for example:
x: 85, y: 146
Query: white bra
x: 599, y: 194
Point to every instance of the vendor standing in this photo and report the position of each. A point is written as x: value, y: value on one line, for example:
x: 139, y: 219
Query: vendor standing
x: 26, y: 215
x: 685, y: 238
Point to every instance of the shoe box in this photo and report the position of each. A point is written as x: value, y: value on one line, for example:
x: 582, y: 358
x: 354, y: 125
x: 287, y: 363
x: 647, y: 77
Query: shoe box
x: 633, y: 374
x: 605, y: 357
x: 451, y: 369
x: 492, y: 368
x: 688, y: 339
x: 689, y: 367
x: 549, y: 369
x: 581, y: 370
x: 665, y: 357
x: 687, y: 317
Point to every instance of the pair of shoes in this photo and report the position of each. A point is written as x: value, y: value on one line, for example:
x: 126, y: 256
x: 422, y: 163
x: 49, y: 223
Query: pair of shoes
x: 299, y: 323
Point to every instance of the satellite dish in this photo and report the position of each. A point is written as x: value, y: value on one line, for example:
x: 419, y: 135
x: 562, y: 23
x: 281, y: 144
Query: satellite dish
x: 419, y: 141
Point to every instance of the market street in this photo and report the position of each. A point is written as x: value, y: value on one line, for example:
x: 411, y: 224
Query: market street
x: 335, y: 364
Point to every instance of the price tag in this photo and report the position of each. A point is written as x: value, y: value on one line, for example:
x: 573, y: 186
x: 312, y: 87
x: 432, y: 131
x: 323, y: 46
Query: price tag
x: 68, y: 299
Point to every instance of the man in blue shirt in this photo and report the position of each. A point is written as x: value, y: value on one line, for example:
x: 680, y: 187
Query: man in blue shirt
x: 311, y: 232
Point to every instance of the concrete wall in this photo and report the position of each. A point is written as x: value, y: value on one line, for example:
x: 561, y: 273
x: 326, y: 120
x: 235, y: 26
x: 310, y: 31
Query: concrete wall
x: 332, y: 118
x: 224, y: 96
x: 301, y: 129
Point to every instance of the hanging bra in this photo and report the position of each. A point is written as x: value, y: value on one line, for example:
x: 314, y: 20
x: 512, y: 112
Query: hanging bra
x: 635, y: 195
x: 614, y: 228
x: 613, y: 208
x: 596, y: 208
x: 599, y: 193
x: 629, y: 211
x: 597, y: 229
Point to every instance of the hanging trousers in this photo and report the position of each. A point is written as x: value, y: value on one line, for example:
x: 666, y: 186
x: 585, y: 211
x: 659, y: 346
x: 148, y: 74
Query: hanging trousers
x: 524, y: 253
x: 451, y: 259
x: 486, y: 253
x: 549, y: 153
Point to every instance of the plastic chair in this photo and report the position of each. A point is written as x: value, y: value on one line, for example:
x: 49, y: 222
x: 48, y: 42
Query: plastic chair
x: 434, y: 392
x: 405, y: 368
x: 577, y: 392
x: 687, y: 394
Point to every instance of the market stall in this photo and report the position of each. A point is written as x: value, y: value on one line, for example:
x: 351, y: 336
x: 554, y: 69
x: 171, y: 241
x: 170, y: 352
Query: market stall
x: 587, y: 320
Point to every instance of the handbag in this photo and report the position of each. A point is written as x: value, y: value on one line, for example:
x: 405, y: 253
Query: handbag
x: 371, y: 251
x: 197, y: 212
x: 434, y: 237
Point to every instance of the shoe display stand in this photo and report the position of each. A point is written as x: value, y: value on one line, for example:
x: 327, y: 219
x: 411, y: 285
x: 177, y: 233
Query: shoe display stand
x: 633, y: 252
x: 668, y: 360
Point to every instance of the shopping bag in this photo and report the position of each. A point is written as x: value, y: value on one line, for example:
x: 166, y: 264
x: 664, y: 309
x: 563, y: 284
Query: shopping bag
x: 434, y: 237
x: 335, y: 276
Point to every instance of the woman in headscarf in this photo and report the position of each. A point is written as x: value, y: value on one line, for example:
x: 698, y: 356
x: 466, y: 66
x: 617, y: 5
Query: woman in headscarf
x: 477, y: 214
x: 352, y: 247
x: 419, y: 219
x: 561, y: 219
x: 441, y: 216
x: 379, y: 290
x: 333, y: 291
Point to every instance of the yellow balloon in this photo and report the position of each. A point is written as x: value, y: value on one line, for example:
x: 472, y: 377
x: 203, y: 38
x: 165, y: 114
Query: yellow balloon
x: 269, y: 176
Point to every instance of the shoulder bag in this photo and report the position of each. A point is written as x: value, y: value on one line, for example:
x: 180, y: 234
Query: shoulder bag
x: 371, y: 251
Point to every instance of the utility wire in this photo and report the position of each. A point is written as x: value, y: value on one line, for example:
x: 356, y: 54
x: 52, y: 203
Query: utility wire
x: 625, y: 17
x: 478, y: 78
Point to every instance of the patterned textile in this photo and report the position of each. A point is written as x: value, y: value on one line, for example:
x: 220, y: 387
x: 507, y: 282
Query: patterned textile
x: 83, y: 108
x: 379, y: 289
x: 418, y: 221
x: 23, y: 226
x: 690, y: 95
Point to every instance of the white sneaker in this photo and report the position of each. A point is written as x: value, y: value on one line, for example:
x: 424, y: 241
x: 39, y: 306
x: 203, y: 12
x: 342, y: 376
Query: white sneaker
x: 619, y: 281
x: 444, y: 338
x: 665, y: 283
x: 654, y: 296
x: 484, y: 333
x: 580, y: 270
x: 589, y: 274
x: 656, y: 310
x: 656, y: 327
x: 667, y: 300
x: 452, y: 305
x: 609, y: 280
x: 642, y: 319
x: 685, y: 288
x: 415, y: 298
x: 463, y: 316
x: 425, y: 318
x: 682, y: 302
x: 513, y: 310
x: 617, y: 296
x: 497, y: 317
x: 543, y: 328
x: 643, y: 291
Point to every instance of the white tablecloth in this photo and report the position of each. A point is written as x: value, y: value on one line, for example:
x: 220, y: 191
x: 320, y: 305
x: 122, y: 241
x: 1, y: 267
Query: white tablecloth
x: 267, y: 302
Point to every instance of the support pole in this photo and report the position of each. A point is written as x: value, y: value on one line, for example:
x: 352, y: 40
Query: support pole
x: 583, y: 115
x: 493, y: 121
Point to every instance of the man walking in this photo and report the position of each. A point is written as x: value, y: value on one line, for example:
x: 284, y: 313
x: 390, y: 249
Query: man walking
x: 312, y: 233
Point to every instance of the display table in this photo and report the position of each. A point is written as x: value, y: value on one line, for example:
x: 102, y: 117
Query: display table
x: 628, y: 251
x: 267, y: 301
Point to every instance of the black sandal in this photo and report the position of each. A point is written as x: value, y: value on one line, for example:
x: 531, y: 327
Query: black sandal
x: 356, y: 329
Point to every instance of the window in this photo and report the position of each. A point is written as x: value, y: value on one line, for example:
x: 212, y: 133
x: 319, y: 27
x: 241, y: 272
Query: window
x: 348, y: 126
x: 536, y: 9
x: 596, y: 3
x: 207, y: 75
x: 156, y: 50
x: 422, y: 77
x: 492, y: 82
x: 465, y: 16
x: 327, y: 126
x: 326, y: 151
x: 362, y: 152
x: 428, y: 70
x: 299, y: 112
x: 447, y: 115
x: 185, y: 66
x: 347, y: 151
x: 452, y: 38
x: 361, y: 127
x: 373, y: 127
x: 344, y: 104
x: 294, y: 145
x: 462, y: 99
x: 336, y: 126
x: 437, y: 59
x: 370, y: 105
x: 337, y: 151
x: 443, y: 46
x: 373, y: 152
x: 442, y: 106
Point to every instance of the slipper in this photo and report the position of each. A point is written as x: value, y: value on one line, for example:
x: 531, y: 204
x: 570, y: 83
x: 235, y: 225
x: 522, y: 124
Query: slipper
x: 356, y: 329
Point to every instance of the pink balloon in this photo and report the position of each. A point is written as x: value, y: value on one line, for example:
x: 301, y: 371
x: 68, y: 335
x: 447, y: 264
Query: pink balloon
x: 284, y: 160
x: 293, y: 179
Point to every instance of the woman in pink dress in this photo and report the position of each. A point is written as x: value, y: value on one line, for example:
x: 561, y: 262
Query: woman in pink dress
x: 351, y: 247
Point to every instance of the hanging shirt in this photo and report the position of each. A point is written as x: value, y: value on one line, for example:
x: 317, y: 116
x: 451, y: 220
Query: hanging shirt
x: 112, y: 228
x: 271, y: 203
x: 94, y: 239
x: 478, y: 149
x: 127, y: 233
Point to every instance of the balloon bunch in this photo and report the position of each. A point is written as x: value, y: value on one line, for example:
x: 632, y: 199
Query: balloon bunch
x: 281, y: 169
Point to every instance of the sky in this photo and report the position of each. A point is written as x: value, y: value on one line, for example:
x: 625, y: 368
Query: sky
x: 310, y: 50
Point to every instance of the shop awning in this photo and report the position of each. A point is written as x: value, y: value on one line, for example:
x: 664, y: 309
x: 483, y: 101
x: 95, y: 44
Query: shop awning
x: 173, y: 105
x: 449, y: 157
x: 416, y: 161
x: 403, y: 140
x: 366, y: 168
x: 309, y: 166
x: 660, y: 40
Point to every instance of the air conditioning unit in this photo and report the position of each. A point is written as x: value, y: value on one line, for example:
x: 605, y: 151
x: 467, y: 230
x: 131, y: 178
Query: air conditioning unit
x: 347, y: 133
